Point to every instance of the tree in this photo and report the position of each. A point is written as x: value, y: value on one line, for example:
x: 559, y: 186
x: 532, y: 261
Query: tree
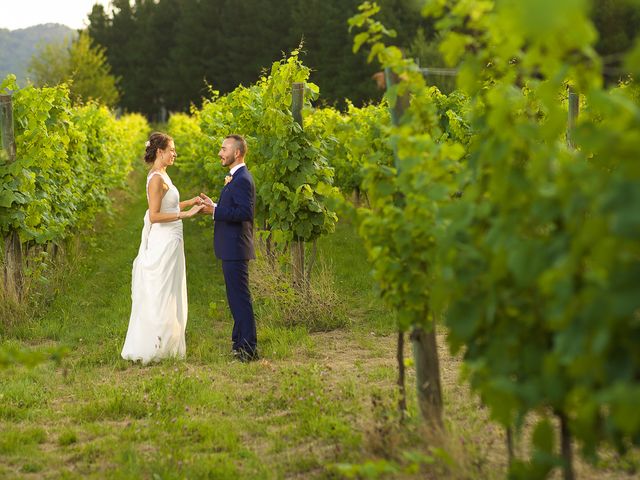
x: 322, y: 24
x: 50, y: 65
x: 91, y: 73
x: 80, y: 64
x: 128, y: 59
x: 195, y: 56
x: 618, y: 23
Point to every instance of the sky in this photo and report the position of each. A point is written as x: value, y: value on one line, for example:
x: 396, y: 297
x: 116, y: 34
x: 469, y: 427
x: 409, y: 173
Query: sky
x: 15, y: 14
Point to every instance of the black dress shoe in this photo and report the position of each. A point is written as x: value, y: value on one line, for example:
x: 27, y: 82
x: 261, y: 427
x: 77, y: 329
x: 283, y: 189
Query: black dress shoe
x: 246, y: 356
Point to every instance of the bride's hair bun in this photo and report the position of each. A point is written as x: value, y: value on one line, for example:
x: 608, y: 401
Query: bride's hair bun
x: 157, y: 140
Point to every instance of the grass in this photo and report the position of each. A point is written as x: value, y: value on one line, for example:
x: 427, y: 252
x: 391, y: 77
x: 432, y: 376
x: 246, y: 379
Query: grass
x: 314, y: 402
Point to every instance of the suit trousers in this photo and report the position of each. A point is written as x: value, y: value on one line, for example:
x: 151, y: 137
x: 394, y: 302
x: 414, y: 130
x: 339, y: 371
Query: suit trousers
x: 236, y: 279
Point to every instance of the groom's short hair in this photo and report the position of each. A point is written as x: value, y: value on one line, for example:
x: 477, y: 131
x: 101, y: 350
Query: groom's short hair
x: 241, y: 143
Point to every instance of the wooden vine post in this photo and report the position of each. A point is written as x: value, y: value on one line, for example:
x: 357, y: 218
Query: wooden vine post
x: 425, y: 346
x: 297, y: 246
x: 12, y: 252
x: 574, y: 109
x: 565, y: 433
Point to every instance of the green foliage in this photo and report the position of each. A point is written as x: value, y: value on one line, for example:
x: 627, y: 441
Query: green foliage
x: 50, y: 64
x: 542, y: 256
x: 543, y: 460
x: 406, y: 198
x: 12, y: 355
x: 427, y: 55
x: 197, y: 151
x: 291, y: 173
x: 353, y: 138
x: 617, y: 23
x: 68, y: 159
x: 82, y: 65
x: 536, y: 264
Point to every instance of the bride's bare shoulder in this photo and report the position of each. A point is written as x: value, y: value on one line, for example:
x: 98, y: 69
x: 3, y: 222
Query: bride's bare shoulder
x: 155, y: 181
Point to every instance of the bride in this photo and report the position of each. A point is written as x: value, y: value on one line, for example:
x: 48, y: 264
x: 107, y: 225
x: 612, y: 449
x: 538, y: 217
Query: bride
x: 159, y: 284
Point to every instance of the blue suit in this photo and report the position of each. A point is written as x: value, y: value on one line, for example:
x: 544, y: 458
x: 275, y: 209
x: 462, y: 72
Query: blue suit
x: 233, y: 244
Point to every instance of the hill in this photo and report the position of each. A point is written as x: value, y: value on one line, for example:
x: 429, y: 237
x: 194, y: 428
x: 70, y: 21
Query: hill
x: 17, y: 46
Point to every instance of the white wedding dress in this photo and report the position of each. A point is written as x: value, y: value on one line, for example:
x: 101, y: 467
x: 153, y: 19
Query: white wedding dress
x: 158, y: 287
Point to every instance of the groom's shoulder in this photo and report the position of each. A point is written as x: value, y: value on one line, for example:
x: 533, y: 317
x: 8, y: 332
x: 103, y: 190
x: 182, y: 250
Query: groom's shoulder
x: 244, y: 177
x: 244, y: 171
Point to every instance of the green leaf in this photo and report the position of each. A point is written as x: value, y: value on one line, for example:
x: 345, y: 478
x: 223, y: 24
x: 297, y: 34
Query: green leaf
x: 7, y: 198
x: 543, y: 437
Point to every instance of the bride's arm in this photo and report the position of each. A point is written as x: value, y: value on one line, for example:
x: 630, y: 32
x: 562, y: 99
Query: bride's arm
x: 156, y: 192
x: 191, y: 202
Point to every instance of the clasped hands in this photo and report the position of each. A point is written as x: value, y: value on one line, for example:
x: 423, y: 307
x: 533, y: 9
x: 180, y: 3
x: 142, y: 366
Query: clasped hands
x: 200, y: 204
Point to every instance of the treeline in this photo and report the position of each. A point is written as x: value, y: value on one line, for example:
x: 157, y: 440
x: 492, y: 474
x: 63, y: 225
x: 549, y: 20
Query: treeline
x: 167, y: 52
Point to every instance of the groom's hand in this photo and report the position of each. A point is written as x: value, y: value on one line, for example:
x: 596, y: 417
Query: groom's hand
x: 206, y: 200
x: 208, y: 209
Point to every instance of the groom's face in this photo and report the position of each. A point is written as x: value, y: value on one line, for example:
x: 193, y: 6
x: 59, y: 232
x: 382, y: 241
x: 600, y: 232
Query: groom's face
x: 227, y: 152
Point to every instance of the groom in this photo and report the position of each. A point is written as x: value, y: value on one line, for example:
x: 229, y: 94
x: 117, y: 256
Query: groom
x: 233, y: 242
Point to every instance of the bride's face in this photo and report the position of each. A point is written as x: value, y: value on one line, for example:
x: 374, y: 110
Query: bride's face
x: 168, y: 155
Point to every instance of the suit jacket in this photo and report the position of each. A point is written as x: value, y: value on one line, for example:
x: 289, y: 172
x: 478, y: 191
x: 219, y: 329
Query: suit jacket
x: 233, y: 218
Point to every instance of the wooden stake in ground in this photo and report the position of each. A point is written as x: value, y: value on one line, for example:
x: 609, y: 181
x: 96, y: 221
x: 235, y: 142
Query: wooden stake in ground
x: 297, y: 247
x: 574, y: 109
x: 12, y: 258
x: 402, y: 402
x: 425, y: 346
x: 565, y: 433
x: 425, y: 354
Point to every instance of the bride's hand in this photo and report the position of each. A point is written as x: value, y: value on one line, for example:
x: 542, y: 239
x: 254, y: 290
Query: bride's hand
x: 196, y: 201
x: 193, y: 210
